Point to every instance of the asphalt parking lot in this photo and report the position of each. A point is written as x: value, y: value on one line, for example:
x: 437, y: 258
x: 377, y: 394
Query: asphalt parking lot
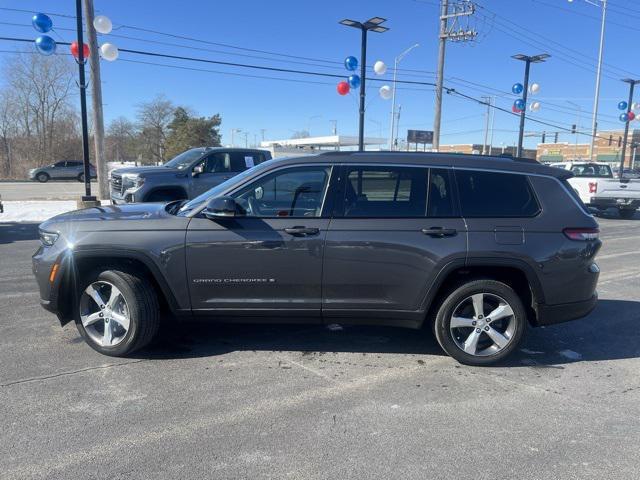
x: 310, y: 402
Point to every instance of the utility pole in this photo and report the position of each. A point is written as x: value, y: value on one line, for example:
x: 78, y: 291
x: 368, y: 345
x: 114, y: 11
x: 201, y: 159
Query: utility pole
x: 632, y: 83
x: 262, y: 130
x: 87, y: 199
x: 578, y: 117
x: 395, y: 140
x: 528, y: 59
x: 233, y: 137
x: 96, y: 99
x: 334, y: 127
x: 596, y: 98
x: 493, y: 117
x: 487, y: 100
x: 454, y: 32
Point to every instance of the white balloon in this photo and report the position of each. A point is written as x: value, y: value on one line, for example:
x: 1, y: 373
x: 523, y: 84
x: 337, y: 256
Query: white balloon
x: 534, y: 107
x: 379, y: 67
x: 102, y: 24
x: 635, y: 106
x: 385, y: 92
x: 534, y: 88
x: 109, y: 52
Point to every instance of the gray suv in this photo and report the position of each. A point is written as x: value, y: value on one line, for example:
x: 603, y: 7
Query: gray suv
x: 186, y: 176
x: 478, y: 248
x: 65, y: 170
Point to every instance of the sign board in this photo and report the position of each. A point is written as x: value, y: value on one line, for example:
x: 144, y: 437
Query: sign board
x: 420, y: 136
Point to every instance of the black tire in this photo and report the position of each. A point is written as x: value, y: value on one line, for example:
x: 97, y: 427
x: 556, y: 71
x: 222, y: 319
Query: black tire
x: 81, y: 177
x: 143, y: 305
x: 42, y: 177
x: 626, y: 213
x: 453, y: 300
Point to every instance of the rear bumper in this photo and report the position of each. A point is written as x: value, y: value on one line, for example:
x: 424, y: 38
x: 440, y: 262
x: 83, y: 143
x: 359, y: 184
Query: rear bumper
x: 564, y: 312
x: 620, y: 202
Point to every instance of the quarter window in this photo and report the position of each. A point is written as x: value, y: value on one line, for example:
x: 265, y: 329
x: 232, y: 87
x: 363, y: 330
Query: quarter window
x: 489, y: 194
x: 294, y: 192
x: 385, y: 192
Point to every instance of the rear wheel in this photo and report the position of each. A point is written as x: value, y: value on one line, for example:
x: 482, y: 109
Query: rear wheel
x: 627, y: 213
x: 481, y: 322
x: 42, y: 177
x: 117, y: 312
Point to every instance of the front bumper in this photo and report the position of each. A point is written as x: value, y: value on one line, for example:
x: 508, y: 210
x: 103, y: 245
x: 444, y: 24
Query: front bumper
x: 43, y: 262
x: 564, y: 312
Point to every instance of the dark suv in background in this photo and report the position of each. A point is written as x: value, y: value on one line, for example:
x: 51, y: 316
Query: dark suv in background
x: 186, y: 176
x: 478, y: 248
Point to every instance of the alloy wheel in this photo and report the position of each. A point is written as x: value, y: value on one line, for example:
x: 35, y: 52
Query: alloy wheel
x: 482, y: 324
x: 104, y: 313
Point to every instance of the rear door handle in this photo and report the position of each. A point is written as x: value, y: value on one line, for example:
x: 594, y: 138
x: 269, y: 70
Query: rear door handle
x: 301, y: 231
x: 439, y: 232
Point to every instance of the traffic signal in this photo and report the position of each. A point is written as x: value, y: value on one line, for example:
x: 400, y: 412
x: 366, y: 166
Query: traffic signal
x: 573, y: 128
x: 619, y: 141
x: 556, y: 138
x: 610, y: 139
x: 544, y: 136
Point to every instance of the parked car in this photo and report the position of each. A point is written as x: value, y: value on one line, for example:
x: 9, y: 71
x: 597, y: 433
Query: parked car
x: 598, y: 188
x: 64, y: 170
x: 186, y: 176
x: 476, y: 247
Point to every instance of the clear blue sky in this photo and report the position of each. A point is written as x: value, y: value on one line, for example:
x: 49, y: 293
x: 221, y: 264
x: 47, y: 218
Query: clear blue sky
x: 568, y: 31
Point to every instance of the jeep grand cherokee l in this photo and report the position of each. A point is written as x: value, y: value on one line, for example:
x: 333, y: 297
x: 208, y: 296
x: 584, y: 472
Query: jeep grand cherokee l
x: 476, y: 247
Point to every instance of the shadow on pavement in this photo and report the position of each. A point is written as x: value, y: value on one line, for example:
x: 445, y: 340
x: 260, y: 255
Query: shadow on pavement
x: 15, y: 232
x: 611, y: 332
x: 612, y: 213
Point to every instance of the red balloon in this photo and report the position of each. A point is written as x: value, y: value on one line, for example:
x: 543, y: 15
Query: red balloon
x: 343, y: 88
x: 514, y: 109
x: 631, y: 115
x: 75, y: 51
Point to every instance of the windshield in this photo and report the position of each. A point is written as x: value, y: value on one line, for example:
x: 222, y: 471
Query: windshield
x: 217, y: 190
x: 185, y: 159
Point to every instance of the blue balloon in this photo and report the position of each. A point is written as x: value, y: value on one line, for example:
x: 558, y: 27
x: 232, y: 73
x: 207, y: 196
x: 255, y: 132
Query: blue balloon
x: 519, y: 104
x: 351, y: 63
x: 41, y: 22
x: 354, y: 81
x: 517, y: 88
x: 624, y: 117
x: 46, y: 45
x: 623, y: 106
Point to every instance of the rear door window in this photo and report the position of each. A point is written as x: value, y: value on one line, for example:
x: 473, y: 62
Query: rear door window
x: 440, y: 201
x: 385, y: 191
x: 493, y: 194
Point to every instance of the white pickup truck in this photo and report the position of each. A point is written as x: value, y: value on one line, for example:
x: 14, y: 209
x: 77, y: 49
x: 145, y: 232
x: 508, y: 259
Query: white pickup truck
x: 597, y: 188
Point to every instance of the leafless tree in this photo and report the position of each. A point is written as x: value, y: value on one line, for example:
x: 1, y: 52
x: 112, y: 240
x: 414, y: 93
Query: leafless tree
x: 153, y: 119
x: 121, y: 140
x: 41, y: 87
x: 8, y: 129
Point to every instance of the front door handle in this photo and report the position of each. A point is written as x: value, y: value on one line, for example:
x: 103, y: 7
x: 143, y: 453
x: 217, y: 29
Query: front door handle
x: 302, y: 231
x: 439, y: 232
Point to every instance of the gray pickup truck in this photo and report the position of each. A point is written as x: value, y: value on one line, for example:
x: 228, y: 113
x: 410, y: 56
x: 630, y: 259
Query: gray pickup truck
x: 186, y: 176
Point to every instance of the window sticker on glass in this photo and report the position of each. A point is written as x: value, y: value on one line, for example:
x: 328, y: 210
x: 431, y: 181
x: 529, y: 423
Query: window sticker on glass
x: 248, y: 161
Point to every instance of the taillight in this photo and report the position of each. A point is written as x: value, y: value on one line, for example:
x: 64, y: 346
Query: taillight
x: 582, y: 234
x: 593, y: 187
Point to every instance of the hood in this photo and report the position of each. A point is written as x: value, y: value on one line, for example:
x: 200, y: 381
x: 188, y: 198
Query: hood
x: 133, y: 211
x: 145, y: 170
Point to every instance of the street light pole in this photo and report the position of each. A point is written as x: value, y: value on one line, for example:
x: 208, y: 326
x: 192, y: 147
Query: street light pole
x: 398, y: 59
x: 632, y: 83
x: 528, y: 59
x: 87, y: 199
x: 578, y: 118
x: 373, y: 24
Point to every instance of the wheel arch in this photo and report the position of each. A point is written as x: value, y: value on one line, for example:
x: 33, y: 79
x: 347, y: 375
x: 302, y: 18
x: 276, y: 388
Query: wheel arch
x: 84, y: 261
x: 180, y: 191
x: 514, y: 272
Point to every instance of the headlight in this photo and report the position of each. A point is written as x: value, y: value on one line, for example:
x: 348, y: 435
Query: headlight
x: 132, y: 181
x: 48, y: 238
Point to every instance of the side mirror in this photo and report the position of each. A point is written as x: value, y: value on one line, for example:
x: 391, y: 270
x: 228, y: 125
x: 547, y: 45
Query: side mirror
x: 221, y: 207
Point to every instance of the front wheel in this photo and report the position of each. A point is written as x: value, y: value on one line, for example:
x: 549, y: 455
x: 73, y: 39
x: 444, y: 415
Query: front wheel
x: 42, y: 177
x: 117, y: 312
x: 481, y: 322
x: 627, y: 213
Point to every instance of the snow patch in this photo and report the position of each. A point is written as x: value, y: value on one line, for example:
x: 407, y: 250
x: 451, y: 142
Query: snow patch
x: 34, y: 211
